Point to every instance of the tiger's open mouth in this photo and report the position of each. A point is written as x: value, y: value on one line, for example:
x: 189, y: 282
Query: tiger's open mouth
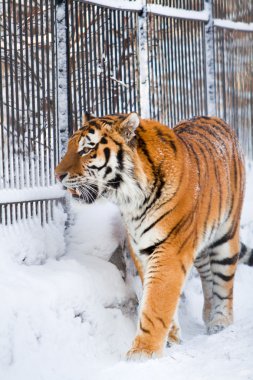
x: 75, y: 193
x: 88, y: 196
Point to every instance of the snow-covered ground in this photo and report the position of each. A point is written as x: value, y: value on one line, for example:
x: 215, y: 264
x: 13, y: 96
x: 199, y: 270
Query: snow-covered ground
x: 67, y: 314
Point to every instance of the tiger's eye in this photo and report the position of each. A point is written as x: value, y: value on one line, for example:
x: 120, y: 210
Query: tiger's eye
x: 84, y: 151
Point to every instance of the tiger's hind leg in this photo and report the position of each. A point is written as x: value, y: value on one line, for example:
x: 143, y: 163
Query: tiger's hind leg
x: 203, y: 266
x: 223, y: 261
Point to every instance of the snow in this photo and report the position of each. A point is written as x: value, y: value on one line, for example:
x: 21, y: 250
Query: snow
x: 178, y: 13
x: 67, y: 314
x: 228, y: 24
x: 31, y: 194
x: 118, y: 4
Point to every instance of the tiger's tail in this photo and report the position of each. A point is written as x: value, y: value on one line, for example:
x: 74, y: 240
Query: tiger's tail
x: 246, y: 255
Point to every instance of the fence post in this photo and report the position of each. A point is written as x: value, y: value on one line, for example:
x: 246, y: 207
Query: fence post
x: 143, y: 62
x: 209, y: 55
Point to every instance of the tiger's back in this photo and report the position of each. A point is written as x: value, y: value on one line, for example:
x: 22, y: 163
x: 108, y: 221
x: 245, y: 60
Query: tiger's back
x: 200, y: 170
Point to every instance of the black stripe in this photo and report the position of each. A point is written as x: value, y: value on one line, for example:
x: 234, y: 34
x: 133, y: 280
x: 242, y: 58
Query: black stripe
x: 157, y: 221
x: 183, y: 268
x: 250, y: 262
x: 162, y: 322
x: 223, y: 276
x: 221, y: 297
x: 149, y: 250
x: 120, y: 158
x: 227, y: 261
x: 144, y: 330
x: 166, y: 138
x: 157, y: 187
x: 115, y: 182
x: 150, y: 320
x: 143, y: 146
x: 107, y: 171
x: 107, y: 156
x: 243, y: 251
x: 201, y: 266
x: 228, y: 236
x: 95, y: 124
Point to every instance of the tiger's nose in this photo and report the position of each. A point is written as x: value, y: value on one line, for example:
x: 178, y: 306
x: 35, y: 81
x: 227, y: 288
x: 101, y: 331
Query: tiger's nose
x: 60, y: 177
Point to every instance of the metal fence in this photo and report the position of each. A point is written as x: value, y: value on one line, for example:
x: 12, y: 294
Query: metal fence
x: 165, y: 59
x: 29, y: 136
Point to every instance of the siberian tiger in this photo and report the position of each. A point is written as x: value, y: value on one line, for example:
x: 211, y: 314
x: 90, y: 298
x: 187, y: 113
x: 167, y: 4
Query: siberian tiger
x: 180, y: 193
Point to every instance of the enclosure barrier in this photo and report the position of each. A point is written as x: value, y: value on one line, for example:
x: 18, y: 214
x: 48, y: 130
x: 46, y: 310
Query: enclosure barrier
x: 165, y: 59
x: 29, y: 134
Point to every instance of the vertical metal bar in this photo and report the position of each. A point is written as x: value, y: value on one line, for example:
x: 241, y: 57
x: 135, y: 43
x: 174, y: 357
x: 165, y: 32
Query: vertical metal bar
x: 100, y: 59
x: 108, y: 63
x: 116, y: 61
x: 38, y: 108
x: 18, y: 126
x: 11, y: 103
x: 177, y: 79
x: 86, y: 81
x: 68, y: 4
x: 82, y: 53
x: 210, y: 85
x: 143, y: 63
x: 7, y: 133
x: 95, y: 47
x: 119, y: 62
x: 48, y: 84
x: 90, y: 77
x: 73, y: 68
x: 42, y: 139
x: 27, y: 76
x: 32, y: 140
x: 103, y: 17
x: 2, y: 161
x: 22, y: 117
x: 55, y: 127
x: 172, y: 69
x: 78, y: 88
x: 123, y: 58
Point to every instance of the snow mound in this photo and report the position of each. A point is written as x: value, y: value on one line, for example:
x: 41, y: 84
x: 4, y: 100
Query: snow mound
x: 67, y: 314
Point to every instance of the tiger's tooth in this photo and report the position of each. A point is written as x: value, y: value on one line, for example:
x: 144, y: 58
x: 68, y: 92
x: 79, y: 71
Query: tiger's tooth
x: 78, y: 192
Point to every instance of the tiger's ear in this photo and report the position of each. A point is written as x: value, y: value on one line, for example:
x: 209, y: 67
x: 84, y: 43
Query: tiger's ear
x: 87, y: 117
x: 128, y: 126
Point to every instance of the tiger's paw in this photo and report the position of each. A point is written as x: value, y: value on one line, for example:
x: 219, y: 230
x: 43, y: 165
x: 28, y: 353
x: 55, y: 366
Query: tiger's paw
x: 218, y: 324
x: 137, y: 354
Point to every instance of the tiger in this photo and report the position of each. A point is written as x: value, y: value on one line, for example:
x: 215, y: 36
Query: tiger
x: 180, y: 192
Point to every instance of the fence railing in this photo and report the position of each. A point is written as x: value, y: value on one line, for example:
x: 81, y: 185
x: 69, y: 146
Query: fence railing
x: 165, y: 59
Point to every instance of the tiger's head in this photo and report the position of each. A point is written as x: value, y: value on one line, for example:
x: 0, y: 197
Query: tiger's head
x: 99, y: 156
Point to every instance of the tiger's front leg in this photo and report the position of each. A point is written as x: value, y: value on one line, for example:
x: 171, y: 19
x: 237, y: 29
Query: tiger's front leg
x: 164, y: 278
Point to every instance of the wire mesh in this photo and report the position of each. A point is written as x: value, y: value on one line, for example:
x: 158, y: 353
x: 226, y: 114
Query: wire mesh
x: 102, y: 61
